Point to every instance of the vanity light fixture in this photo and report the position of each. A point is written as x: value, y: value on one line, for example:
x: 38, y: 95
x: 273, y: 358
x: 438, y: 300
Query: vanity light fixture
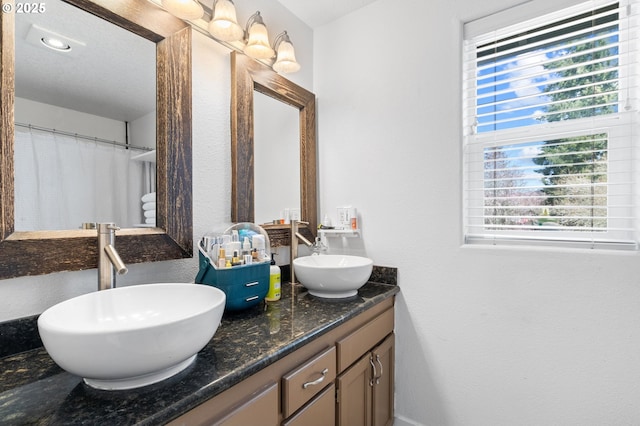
x: 224, y: 22
x: 184, y: 9
x: 223, y: 27
x: 286, y: 55
x: 257, y: 37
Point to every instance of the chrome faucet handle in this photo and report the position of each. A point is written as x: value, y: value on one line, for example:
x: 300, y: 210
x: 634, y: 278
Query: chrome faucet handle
x: 107, y: 227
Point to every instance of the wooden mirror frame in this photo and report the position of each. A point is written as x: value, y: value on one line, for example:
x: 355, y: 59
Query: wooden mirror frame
x: 248, y: 75
x: 43, y: 252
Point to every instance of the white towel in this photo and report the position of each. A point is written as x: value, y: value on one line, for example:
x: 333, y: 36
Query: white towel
x: 150, y: 214
x: 150, y: 221
x: 149, y: 206
x: 146, y: 198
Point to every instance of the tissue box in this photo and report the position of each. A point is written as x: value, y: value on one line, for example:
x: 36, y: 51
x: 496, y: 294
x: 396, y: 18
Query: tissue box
x: 245, y: 286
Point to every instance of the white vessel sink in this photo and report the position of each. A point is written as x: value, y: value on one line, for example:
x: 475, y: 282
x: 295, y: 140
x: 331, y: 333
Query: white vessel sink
x: 133, y: 336
x: 333, y: 276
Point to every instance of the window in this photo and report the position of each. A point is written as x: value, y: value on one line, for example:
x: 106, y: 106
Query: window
x: 550, y: 129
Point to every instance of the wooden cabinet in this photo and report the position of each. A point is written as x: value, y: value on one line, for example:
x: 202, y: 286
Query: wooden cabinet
x: 324, y: 382
x: 365, y: 390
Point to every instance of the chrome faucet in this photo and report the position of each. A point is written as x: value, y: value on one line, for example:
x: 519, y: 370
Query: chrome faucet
x: 295, y: 234
x: 109, y: 261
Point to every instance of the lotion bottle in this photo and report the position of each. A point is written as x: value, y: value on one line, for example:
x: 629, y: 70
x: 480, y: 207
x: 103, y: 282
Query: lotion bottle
x: 274, y: 282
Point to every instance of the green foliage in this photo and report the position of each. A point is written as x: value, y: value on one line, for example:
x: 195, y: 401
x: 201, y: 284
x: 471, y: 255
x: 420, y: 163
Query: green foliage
x: 585, y: 85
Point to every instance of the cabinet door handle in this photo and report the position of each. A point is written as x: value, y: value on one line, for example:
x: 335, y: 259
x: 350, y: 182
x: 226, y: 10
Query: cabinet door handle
x: 318, y: 380
x: 381, y: 369
x: 375, y: 373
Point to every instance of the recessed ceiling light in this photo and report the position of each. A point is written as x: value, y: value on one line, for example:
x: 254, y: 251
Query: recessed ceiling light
x: 41, y: 37
x: 56, y: 44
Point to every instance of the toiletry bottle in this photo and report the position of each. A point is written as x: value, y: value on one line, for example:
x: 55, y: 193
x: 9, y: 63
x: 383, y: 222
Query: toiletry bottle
x: 246, y: 247
x: 236, y: 259
x: 222, y: 261
x: 353, y: 217
x: 259, y: 244
x: 274, y: 282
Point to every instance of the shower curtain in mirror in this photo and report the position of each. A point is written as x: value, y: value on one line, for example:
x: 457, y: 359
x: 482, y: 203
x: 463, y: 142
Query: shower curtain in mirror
x: 63, y: 181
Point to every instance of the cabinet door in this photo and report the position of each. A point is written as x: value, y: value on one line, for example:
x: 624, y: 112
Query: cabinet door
x: 354, y: 394
x: 321, y: 411
x: 383, y: 388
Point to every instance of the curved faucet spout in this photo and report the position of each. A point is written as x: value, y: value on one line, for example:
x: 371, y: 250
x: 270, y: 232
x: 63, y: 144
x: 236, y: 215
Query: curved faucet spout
x: 304, y: 240
x: 115, y: 259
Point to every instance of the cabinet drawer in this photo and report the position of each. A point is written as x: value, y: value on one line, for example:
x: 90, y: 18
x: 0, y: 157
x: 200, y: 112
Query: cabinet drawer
x: 260, y: 409
x: 303, y: 383
x: 351, y: 348
x: 319, y: 412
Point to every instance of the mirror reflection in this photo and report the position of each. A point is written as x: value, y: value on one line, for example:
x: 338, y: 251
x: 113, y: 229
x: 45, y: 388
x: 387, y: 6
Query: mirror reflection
x: 42, y: 252
x: 85, y: 118
x: 248, y: 79
x: 277, y: 158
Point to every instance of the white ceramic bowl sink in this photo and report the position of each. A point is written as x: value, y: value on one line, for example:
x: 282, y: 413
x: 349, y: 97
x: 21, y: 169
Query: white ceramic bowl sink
x: 133, y: 336
x: 333, y: 276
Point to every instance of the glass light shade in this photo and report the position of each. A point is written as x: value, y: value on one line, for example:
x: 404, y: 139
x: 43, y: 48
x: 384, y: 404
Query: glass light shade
x: 184, y: 9
x: 258, y: 45
x: 224, y: 24
x: 286, y: 61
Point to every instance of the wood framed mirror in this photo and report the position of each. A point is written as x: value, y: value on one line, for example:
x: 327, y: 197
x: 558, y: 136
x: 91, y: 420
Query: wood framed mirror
x: 248, y: 76
x: 43, y: 252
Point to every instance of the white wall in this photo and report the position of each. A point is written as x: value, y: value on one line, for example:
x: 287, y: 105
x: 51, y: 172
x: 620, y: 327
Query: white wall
x: 67, y: 120
x: 484, y: 336
x: 26, y: 296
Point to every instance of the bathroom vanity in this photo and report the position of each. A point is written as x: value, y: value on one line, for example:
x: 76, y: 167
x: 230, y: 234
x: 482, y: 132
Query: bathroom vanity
x: 298, y: 361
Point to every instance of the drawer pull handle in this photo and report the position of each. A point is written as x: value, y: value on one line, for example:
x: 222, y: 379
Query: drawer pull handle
x: 249, y: 299
x: 318, y: 380
x: 254, y: 283
x: 375, y: 373
x: 381, y: 370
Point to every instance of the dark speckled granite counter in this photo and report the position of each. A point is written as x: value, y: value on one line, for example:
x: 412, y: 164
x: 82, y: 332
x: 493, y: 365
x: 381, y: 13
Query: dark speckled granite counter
x: 34, y: 390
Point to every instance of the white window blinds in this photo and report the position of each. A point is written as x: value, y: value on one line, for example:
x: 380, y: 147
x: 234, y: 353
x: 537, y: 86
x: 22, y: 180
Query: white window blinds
x: 550, y: 111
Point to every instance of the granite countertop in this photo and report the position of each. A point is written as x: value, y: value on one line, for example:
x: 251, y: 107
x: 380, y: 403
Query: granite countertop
x: 34, y: 390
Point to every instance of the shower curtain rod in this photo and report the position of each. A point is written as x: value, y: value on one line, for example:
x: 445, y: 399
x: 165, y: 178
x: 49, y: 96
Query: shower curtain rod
x: 88, y: 138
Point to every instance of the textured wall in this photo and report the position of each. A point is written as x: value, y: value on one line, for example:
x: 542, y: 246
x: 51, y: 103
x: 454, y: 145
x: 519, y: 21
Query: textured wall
x: 484, y: 336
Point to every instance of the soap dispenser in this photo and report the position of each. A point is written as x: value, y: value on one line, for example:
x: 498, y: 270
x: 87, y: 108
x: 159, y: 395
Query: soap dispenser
x: 273, y: 294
